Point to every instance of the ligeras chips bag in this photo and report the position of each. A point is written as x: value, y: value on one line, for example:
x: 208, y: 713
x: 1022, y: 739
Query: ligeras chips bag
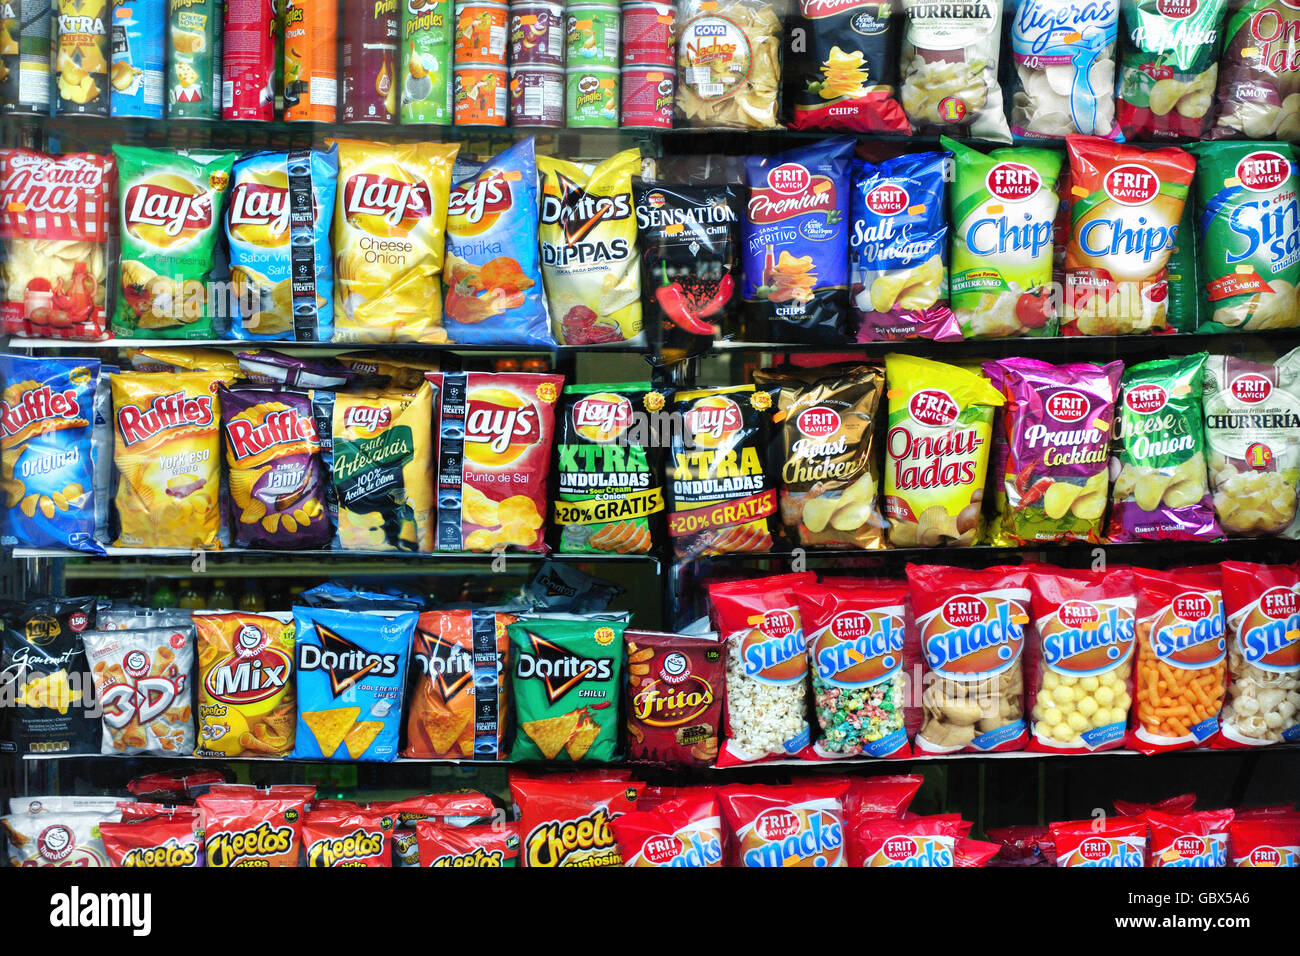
x: 167, y: 453
x: 1160, y: 490
x: 794, y: 244
x: 1125, y: 206
x: 898, y: 249
x: 169, y: 220
x: 1003, y: 207
x: 728, y: 63
x: 278, y: 226
x: 936, y: 451
x: 826, y: 420
x: 389, y: 227
x: 590, y: 265
x: 719, y: 494
x: 608, y: 498
x: 245, y: 677
x: 1259, y: 83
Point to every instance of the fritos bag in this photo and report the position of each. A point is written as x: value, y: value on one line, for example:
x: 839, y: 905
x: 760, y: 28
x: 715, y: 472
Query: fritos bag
x: 245, y: 677
x: 1260, y: 73
x: 142, y: 681
x: 160, y: 842
x: 787, y: 825
x: 254, y: 828
x: 674, y: 693
x: 684, y: 831
x: 568, y: 822
x: 347, y: 838
x: 1188, y: 839
x: 1110, y: 841
x: 1266, y: 842
x: 1262, y: 605
x: 481, y: 845
x: 949, y: 65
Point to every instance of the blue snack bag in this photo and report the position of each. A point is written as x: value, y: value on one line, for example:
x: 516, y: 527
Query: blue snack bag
x: 794, y: 244
x: 898, y: 249
x: 351, y: 675
x: 278, y: 223
x: 47, y: 455
x: 490, y: 296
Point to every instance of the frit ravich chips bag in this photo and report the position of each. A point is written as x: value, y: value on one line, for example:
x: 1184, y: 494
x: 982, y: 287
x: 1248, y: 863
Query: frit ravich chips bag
x: 949, y: 66
x: 142, y: 681
x: 1002, y: 207
x: 256, y: 828
x: 973, y: 627
x: 567, y: 678
x: 794, y: 248
x: 47, y: 457
x: 167, y: 452
x: 567, y: 822
x: 482, y: 845
x: 493, y: 458
x: 278, y: 225
x: 1248, y: 218
x: 54, y: 224
x: 389, y: 229
x: 1159, y: 485
x: 683, y: 831
x: 1262, y: 603
x: 936, y: 451
x: 719, y: 494
x: 1057, y: 423
x: 674, y: 698
x: 1125, y: 206
x: 1266, y: 841
x: 169, y: 219
x: 1188, y: 839
x: 589, y: 257
x: 1260, y: 73
x: 245, y: 676
x: 789, y: 825
x: 825, y: 449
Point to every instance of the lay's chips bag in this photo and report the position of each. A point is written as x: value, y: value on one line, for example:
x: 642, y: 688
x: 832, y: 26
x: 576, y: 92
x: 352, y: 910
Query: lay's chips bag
x: 389, y: 224
x: 278, y: 225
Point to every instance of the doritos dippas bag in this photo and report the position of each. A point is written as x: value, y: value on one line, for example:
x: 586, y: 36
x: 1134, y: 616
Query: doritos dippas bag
x: 245, y: 678
x: 167, y: 451
x: 279, y: 258
x: 589, y: 255
x: 567, y: 676
x: 169, y: 218
x: 388, y: 240
x: 351, y: 674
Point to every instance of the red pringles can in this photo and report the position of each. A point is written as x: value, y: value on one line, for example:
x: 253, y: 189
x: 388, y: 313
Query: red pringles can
x: 369, y: 64
x: 248, y: 73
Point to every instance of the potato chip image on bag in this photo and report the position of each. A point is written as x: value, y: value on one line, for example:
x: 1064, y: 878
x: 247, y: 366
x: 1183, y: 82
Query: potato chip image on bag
x: 142, y: 680
x: 245, y: 685
x: 167, y: 453
x: 389, y: 231
x: 1259, y: 76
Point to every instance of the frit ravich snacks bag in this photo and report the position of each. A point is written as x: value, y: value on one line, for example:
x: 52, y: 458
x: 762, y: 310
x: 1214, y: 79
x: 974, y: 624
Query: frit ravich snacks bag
x: 567, y: 822
x: 1272, y: 841
x: 142, y: 681
x: 1111, y: 841
x: 683, y: 831
x: 1125, y: 206
x: 936, y: 451
x: 795, y: 255
x: 1260, y: 73
x: 1002, y: 207
x: 916, y: 841
x: 1057, y: 423
x: 245, y: 676
x: 973, y: 627
x: 1078, y: 674
x: 1188, y: 839
x: 1160, y: 490
x: 789, y: 825
x: 389, y: 228
x: 1262, y: 604
x: 54, y: 223
x: 674, y: 698
x: 767, y: 668
x: 1180, y: 644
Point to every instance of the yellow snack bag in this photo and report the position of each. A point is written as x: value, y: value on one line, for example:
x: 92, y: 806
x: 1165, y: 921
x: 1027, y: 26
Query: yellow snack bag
x: 220, y: 361
x: 167, y: 451
x: 389, y: 230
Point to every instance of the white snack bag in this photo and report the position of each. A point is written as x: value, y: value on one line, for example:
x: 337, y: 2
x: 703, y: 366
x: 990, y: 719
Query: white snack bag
x: 1065, y: 68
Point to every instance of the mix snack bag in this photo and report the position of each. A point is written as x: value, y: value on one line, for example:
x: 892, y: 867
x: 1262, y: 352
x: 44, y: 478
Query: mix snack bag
x: 246, y: 702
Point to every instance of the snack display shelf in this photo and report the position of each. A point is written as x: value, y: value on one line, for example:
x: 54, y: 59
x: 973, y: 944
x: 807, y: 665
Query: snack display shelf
x: 331, y: 347
x: 279, y: 556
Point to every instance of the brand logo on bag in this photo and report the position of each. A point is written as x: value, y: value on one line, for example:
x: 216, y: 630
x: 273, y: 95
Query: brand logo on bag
x: 397, y: 203
x: 286, y: 427
x: 259, y: 207
x: 1068, y: 406
x: 1012, y: 182
x: 1263, y: 170
x: 1251, y: 388
x: 963, y: 612
x: 933, y: 407
x: 818, y: 422
x: 712, y: 421
x: 602, y: 417
x: 1176, y: 9
x: 1146, y: 399
x: 164, y: 413
x: 36, y: 406
x: 888, y: 200
x: 1131, y: 185
x: 166, y: 212
x: 344, y: 663
x: 477, y: 205
x: 499, y: 426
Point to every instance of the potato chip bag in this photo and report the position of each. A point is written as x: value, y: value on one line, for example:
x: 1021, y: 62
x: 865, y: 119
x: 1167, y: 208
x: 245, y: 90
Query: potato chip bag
x: 1259, y: 83
x: 167, y: 451
x: 278, y: 226
x: 142, y: 681
x: 169, y: 219
x: 185, y: 359
x: 54, y: 224
x: 949, y: 65
x: 389, y: 225
x: 245, y: 685
x: 589, y: 255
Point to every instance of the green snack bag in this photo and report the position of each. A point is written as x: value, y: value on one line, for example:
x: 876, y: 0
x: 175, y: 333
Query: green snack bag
x: 566, y: 679
x: 1248, y: 230
x: 608, y: 493
x: 1002, y: 207
x: 1184, y: 275
x: 169, y: 217
x: 425, y: 57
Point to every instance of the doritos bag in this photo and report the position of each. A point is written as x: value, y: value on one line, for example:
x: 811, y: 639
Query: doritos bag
x: 1188, y: 839
x: 1108, y: 841
x: 142, y: 680
x: 567, y: 822
x: 684, y: 831
x: 159, y: 842
x: 347, y: 838
x: 787, y: 825
x: 253, y: 828
x: 481, y: 845
x: 1262, y: 605
x: 245, y: 676
x: 47, y: 452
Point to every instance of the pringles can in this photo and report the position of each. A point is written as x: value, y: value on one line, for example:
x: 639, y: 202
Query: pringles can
x: 80, y: 60
x: 369, y: 61
x: 481, y: 95
x: 311, y: 61
x: 536, y: 96
x: 591, y: 97
x: 137, y: 71
x: 481, y: 30
x: 647, y: 98
x: 25, y: 57
x: 194, y: 59
x: 425, y: 61
x: 536, y: 34
x: 591, y: 35
x: 648, y: 34
x: 248, y: 92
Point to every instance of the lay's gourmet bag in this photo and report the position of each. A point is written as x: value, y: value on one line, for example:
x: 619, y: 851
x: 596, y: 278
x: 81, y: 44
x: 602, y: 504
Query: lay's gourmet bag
x: 47, y: 457
x: 389, y: 226
x: 278, y: 226
x: 169, y: 220
x: 589, y: 255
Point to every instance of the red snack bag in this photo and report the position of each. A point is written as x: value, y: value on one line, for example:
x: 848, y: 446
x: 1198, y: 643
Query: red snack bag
x: 787, y: 825
x: 1078, y: 672
x: 174, y: 786
x: 242, y: 829
x: 888, y: 795
x: 1188, y: 839
x: 1266, y: 841
x: 1181, y: 803
x: 1023, y: 846
x: 159, y: 841
x: 462, y: 808
x: 674, y: 696
x: 920, y: 841
x: 684, y: 831
x: 348, y: 838
x: 302, y: 791
x: 974, y: 853
x: 134, y: 812
x: 567, y: 822
x: 973, y: 626
x: 1181, y: 649
x: 767, y: 669
x: 1106, y: 841
x: 477, y: 845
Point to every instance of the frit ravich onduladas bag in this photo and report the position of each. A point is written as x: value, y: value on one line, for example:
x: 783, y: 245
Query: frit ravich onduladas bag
x: 1260, y: 72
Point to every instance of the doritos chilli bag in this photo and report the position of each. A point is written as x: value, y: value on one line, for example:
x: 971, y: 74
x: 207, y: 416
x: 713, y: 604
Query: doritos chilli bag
x: 567, y: 822
x: 246, y: 691
x: 161, y: 842
x: 1260, y: 73
x: 142, y: 681
x: 787, y: 825
x: 685, y: 831
x: 1262, y: 604
x: 253, y: 829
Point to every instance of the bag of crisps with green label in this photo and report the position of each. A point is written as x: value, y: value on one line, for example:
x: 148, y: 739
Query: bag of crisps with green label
x: 169, y: 218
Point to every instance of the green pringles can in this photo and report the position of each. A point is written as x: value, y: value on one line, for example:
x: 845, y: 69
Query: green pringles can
x: 591, y: 34
x: 194, y: 59
x: 425, y: 60
x: 591, y: 96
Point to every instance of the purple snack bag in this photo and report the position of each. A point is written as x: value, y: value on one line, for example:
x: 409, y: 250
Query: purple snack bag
x: 268, y: 367
x: 276, y: 475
